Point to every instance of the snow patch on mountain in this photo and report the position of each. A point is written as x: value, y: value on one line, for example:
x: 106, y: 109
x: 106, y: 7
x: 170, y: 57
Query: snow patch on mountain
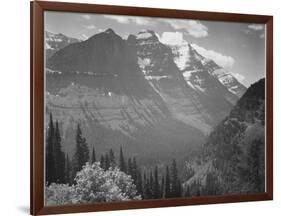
x: 157, y: 77
x: 182, y: 56
x: 144, y: 35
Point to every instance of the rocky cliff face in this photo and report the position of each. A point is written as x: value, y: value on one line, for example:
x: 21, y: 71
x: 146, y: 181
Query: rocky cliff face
x: 134, y: 93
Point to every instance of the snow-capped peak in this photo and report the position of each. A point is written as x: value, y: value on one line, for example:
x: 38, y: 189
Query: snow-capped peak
x: 109, y: 31
x: 173, y: 39
x: 145, y: 34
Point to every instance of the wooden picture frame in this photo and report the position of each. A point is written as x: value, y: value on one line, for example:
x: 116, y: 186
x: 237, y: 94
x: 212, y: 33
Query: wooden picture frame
x: 37, y: 9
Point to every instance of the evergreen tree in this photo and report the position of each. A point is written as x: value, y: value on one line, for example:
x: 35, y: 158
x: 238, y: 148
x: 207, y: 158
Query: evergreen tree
x: 81, y: 155
x: 174, y: 180
x: 156, y: 187
x: 93, y: 155
x: 107, y: 161
x: 144, y: 186
x: 134, y: 170
x: 151, y: 184
x: 196, y: 187
x: 67, y: 170
x: 179, y: 188
x: 59, y: 157
x: 167, y: 184
x: 122, y: 163
x: 130, y: 167
x: 112, y: 158
x: 139, y: 183
x: 102, y: 162
x: 211, y: 185
x: 162, y: 186
x: 198, y: 190
x: 187, y: 192
x: 50, y: 163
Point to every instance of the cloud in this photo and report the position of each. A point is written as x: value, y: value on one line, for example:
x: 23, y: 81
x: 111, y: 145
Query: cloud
x: 239, y: 77
x: 225, y: 61
x: 172, y: 38
x: 91, y: 27
x: 262, y: 35
x: 86, y: 16
x: 192, y: 27
x: 129, y: 19
x: 256, y: 27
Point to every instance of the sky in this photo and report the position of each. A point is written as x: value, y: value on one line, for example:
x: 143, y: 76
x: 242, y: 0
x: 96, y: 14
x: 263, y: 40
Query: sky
x: 238, y: 47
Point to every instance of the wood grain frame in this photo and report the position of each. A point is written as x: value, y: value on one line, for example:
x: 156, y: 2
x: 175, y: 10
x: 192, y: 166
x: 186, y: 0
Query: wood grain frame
x: 37, y: 9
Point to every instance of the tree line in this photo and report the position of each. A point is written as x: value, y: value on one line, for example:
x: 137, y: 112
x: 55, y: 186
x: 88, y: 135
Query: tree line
x: 61, y: 169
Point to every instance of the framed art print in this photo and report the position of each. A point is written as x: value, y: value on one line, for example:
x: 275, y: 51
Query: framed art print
x: 141, y: 108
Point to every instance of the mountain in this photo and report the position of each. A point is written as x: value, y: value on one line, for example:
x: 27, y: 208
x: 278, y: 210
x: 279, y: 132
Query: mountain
x: 107, y: 59
x: 99, y: 84
x: 184, y: 80
x: 234, y: 151
x: 55, y: 42
x: 131, y: 92
x: 197, y: 69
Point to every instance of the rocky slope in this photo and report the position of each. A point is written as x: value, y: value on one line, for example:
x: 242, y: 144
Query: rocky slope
x: 234, y: 151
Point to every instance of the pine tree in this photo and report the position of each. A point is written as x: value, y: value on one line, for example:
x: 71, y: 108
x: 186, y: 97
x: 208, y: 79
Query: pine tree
x: 94, y: 155
x: 210, y: 187
x: 122, y: 163
x: 162, y: 186
x: 59, y: 157
x: 102, y: 162
x: 112, y: 158
x: 130, y: 167
x: 198, y: 190
x: 187, y: 191
x: 147, y: 190
x: 139, y: 183
x: 167, y: 184
x: 144, y: 186
x: 179, y: 188
x: 50, y: 163
x: 174, y: 180
x: 55, y: 158
x: 107, y: 161
x: 156, y: 188
x: 67, y: 170
x: 81, y: 155
x: 134, y: 170
x: 151, y: 184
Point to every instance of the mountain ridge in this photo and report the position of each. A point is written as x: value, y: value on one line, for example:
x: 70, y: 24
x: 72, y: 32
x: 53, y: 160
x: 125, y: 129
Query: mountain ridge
x: 128, y: 89
x: 234, y: 151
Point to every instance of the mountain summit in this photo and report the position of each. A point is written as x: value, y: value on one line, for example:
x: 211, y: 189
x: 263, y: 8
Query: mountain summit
x: 109, y: 31
x: 191, y: 63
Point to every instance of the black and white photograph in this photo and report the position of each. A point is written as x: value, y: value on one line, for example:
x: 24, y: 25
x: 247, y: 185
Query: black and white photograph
x: 143, y: 108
